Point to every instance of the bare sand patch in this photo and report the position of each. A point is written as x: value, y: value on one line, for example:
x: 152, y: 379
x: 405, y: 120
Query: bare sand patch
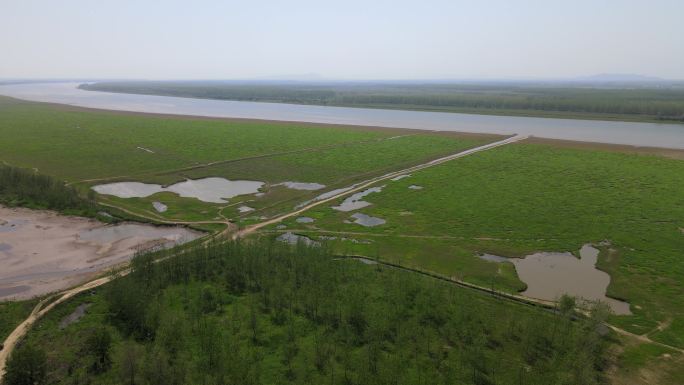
x: 46, y: 252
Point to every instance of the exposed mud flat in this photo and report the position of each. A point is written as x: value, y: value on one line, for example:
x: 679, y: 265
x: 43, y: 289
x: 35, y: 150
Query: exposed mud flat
x: 212, y: 190
x: 550, y: 275
x: 50, y: 252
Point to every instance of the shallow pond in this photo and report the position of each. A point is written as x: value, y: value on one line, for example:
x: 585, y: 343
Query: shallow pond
x: 245, y: 209
x: 304, y: 220
x: 294, y: 239
x: 160, y: 207
x: 11, y: 225
x: 302, y: 186
x: 354, y: 201
x: 212, y: 190
x: 367, y: 220
x: 77, y: 314
x: 550, y: 275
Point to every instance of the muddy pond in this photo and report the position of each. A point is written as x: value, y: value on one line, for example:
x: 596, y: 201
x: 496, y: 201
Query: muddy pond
x: 550, y: 275
x: 45, y: 252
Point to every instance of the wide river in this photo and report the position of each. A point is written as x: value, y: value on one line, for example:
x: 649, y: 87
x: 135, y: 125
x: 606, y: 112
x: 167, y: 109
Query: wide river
x: 636, y: 134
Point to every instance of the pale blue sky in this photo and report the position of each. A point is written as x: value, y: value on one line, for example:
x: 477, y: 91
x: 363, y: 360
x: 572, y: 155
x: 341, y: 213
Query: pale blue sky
x: 349, y: 39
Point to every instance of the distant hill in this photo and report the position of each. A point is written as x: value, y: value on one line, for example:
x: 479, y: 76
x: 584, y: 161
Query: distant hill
x: 620, y: 78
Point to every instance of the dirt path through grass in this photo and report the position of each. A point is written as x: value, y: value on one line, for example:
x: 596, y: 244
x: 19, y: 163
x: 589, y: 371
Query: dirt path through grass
x: 363, y: 185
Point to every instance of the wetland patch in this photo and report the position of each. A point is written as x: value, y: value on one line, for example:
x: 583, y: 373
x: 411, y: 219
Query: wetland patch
x: 160, y: 207
x: 367, y: 220
x: 355, y: 202
x: 305, y: 220
x: 211, y: 190
x: 293, y: 239
x: 302, y: 186
x: 549, y: 275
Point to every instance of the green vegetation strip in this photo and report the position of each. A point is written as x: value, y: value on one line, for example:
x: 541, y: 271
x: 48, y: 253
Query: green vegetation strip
x: 616, y: 102
x: 266, y: 313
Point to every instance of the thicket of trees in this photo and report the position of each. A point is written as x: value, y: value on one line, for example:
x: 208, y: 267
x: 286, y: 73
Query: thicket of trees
x: 261, y: 312
x: 659, y: 102
x: 22, y: 187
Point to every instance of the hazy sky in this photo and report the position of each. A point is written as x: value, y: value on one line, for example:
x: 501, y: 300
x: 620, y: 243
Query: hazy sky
x: 348, y: 39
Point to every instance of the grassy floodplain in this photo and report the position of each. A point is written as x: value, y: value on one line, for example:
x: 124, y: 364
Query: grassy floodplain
x: 512, y: 200
x: 86, y: 147
x: 524, y: 198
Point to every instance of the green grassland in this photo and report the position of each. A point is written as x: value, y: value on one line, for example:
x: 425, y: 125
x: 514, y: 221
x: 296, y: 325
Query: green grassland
x: 77, y: 144
x: 12, y: 313
x: 335, y: 167
x: 511, y: 201
x: 93, y: 146
x: 523, y: 198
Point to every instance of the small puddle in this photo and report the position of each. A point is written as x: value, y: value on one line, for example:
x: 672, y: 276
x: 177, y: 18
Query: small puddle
x: 294, y: 239
x: 11, y: 225
x: 160, y: 207
x: 493, y: 258
x: 212, y: 190
x: 367, y: 220
x: 550, y: 275
x: 302, y: 186
x: 352, y: 240
x: 305, y: 220
x: 245, y: 209
x: 354, y: 202
x: 77, y: 314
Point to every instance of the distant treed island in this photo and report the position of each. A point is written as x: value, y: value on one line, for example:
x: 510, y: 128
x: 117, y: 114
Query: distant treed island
x: 609, y: 101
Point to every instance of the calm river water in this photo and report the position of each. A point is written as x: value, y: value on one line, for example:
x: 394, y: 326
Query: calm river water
x: 637, y: 134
